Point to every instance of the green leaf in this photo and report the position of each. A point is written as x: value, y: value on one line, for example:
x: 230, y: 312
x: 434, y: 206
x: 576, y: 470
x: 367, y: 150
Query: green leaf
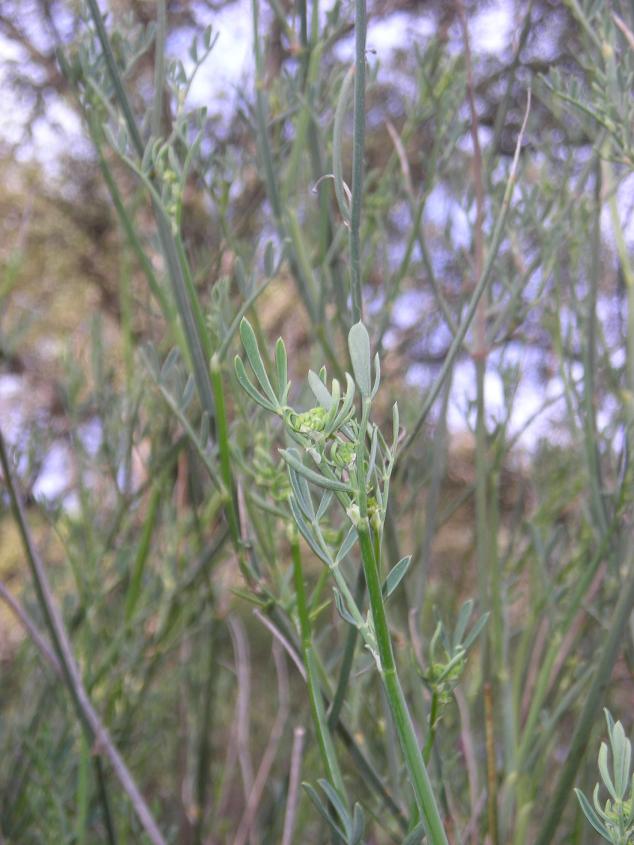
x: 326, y: 499
x: 395, y: 576
x: 343, y: 610
x: 349, y: 540
x: 281, y: 366
x: 246, y: 384
x: 320, y: 391
x: 463, y: 620
x: 603, y: 769
x: 589, y: 813
x: 336, y: 801
x: 359, y: 346
x: 358, y: 825
x: 314, y: 797
x: 171, y: 361
x: 474, y: 633
x: 415, y: 837
x: 320, y: 480
x: 306, y: 532
x: 301, y: 491
x: 188, y: 393
x: 250, y: 343
x: 621, y: 755
x: 377, y: 375
x: 346, y: 407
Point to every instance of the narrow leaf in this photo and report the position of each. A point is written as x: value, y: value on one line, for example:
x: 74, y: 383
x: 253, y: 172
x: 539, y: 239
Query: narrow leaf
x: 250, y: 343
x: 320, y: 391
x: 327, y: 483
x: 359, y: 346
x: 603, y: 769
x: 349, y: 540
x: 246, y: 384
x: 415, y: 837
x: 474, y: 633
x: 396, y: 575
x: 306, y: 533
x: 281, y: 366
x: 314, y: 797
x: 343, y: 610
x: 589, y: 813
x: 463, y: 620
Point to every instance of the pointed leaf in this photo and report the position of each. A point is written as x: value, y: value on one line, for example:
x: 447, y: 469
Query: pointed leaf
x: 621, y: 754
x: 589, y: 813
x: 247, y: 385
x: 170, y: 362
x: 377, y: 375
x: 314, y: 797
x: 306, y: 533
x: 474, y: 633
x: 281, y: 366
x: 327, y: 483
x: 342, y: 609
x: 337, y: 802
x: 415, y: 837
x: 188, y: 393
x: 250, y: 343
x: 463, y: 620
x: 349, y: 540
x: 603, y: 769
x: 302, y: 491
x: 320, y: 391
x: 326, y: 499
x: 346, y: 407
x: 358, y: 825
x: 396, y: 575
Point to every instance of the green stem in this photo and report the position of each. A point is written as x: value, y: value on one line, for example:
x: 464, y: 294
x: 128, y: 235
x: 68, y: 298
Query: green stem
x: 224, y: 449
x: 420, y: 781
x: 322, y: 728
x: 358, y: 144
x: 607, y: 659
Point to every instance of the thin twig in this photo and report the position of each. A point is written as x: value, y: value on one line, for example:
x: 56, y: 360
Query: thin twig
x: 243, y: 706
x: 268, y: 758
x: 31, y: 628
x: 292, y: 798
x: 85, y: 711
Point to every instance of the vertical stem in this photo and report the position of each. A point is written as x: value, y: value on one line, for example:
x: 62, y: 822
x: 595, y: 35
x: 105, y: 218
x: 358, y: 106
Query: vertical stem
x: 607, y: 659
x: 159, y: 67
x: 420, y: 781
x: 358, y: 145
x: 222, y: 433
x: 86, y: 713
x: 324, y: 737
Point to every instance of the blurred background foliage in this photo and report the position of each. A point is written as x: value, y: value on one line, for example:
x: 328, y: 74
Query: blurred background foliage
x: 515, y: 489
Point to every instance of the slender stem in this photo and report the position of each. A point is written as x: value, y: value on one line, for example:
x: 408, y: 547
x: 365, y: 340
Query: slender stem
x: 481, y: 286
x: 358, y: 145
x: 159, y: 67
x: 324, y: 737
x: 188, y: 307
x: 86, y: 713
x: 420, y: 781
x: 224, y: 448
x: 347, y: 660
x: 607, y: 659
